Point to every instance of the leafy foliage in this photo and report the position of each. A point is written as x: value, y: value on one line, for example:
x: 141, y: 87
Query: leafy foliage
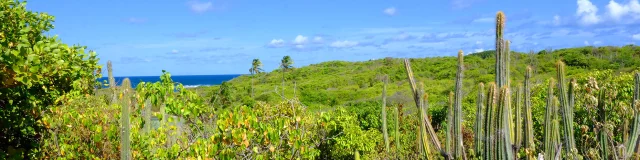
x: 36, y: 72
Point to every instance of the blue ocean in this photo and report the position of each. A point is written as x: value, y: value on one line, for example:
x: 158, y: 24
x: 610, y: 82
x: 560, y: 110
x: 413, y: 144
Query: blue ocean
x: 189, y: 81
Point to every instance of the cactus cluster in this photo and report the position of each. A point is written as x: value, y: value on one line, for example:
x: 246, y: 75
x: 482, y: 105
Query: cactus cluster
x: 566, y: 105
x: 506, y: 135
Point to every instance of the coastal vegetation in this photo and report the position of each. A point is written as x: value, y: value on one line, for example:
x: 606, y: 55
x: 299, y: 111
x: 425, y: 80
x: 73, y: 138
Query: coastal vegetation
x: 572, y: 103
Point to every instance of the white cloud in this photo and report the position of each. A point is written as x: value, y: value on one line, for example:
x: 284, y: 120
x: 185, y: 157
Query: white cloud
x: 636, y: 36
x: 616, y: 10
x: 390, y: 11
x: 317, y: 39
x: 300, y: 39
x: 299, y: 46
x: 174, y: 51
x: 461, y: 4
x: 587, y: 12
x: 597, y: 42
x: 200, y: 7
x: 344, y: 44
x: 586, y: 43
x: 136, y: 20
x: 484, y: 20
x: 478, y: 42
x: 276, y: 43
x: 478, y: 50
x: 556, y: 20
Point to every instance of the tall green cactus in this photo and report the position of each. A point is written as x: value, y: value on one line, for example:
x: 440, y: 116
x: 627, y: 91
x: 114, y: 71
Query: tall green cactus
x: 631, y: 145
x: 425, y: 120
x: 425, y: 109
x: 397, y: 115
x: 112, y: 82
x: 504, y: 144
x: 529, y: 144
x: 567, y: 111
x: 147, y: 116
x: 602, y: 132
x: 507, y: 61
x: 501, y: 65
x: 518, y: 120
x: 424, y: 143
x: 557, y: 146
x: 449, y: 134
x: 384, y: 115
x: 489, y: 128
x: 125, y: 148
x: 457, y: 110
x: 549, y: 139
x: 478, y: 129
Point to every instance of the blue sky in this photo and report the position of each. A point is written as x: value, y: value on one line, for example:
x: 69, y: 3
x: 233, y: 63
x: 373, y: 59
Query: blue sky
x: 202, y: 37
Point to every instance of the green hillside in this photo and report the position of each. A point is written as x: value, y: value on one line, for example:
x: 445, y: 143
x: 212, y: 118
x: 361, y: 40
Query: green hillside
x: 341, y: 83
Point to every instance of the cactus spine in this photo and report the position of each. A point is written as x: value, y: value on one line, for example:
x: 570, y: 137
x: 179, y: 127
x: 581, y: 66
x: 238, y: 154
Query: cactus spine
x: 125, y: 149
x: 457, y: 110
x: 489, y: 128
x: 518, y: 120
x: 567, y: 111
x: 528, y: 119
x: 384, y: 115
x: 479, y: 138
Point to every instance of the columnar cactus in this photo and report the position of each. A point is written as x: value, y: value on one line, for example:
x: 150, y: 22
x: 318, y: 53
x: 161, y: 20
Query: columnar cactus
x: 549, y: 139
x: 424, y: 143
x: 631, y: 145
x: 529, y: 144
x: 125, y: 144
x: 384, y: 114
x: 507, y: 61
x: 567, y: 111
x: 557, y: 144
x: 489, y: 123
x: 397, y: 114
x: 424, y: 120
x: 449, y: 134
x: 478, y: 129
x: 518, y: 120
x: 112, y: 82
x: 602, y: 132
x: 502, y: 56
x: 457, y: 110
x: 504, y: 144
x: 147, y: 116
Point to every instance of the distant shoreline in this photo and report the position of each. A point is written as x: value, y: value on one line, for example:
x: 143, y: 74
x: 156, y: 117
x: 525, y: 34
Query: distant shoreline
x: 188, y: 81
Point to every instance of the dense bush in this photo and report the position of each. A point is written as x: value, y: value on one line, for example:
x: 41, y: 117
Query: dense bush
x: 36, y: 72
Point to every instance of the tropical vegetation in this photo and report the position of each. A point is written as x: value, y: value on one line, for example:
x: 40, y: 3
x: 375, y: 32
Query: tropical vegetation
x: 573, y: 103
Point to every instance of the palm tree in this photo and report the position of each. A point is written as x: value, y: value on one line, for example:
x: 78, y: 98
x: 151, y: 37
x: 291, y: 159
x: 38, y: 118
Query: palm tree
x: 256, y: 68
x: 285, y: 64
